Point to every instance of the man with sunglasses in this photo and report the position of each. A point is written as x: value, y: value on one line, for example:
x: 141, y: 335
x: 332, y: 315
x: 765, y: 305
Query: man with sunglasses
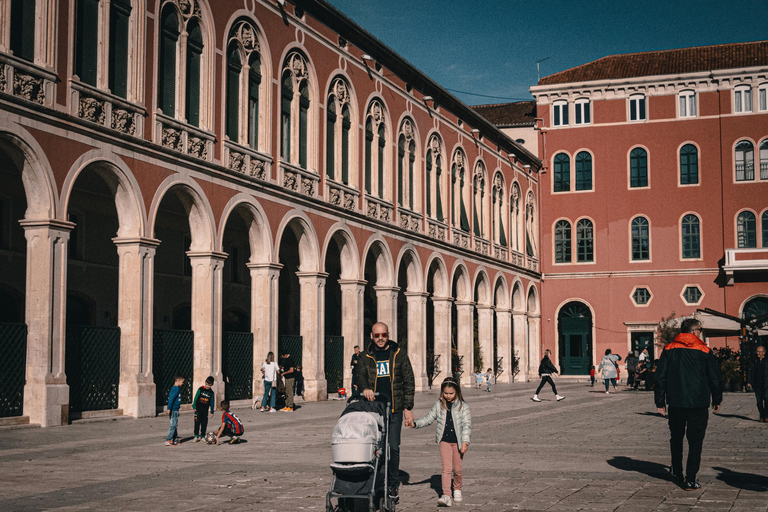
x: 386, y: 369
x: 686, y: 377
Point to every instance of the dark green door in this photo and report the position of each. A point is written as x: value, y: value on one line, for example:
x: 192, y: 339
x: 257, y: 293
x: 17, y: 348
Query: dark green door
x: 641, y: 340
x: 574, y: 346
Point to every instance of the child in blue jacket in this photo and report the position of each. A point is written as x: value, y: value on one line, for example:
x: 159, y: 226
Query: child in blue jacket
x: 174, y: 404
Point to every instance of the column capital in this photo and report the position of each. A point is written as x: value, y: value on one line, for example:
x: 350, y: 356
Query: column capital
x: 503, y: 311
x: 356, y: 282
x: 416, y: 294
x: 387, y: 288
x: 58, y: 225
x: 485, y: 307
x: 309, y: 275
x: 462, y: 303
x: 214, y: 255
x: 265, y: 266
x: 140, y: 241
x: 518, y: 313
x: 442, y: 299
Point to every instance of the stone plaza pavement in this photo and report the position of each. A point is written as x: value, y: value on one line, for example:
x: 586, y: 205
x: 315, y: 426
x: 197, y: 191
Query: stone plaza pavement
x: 588, y: 452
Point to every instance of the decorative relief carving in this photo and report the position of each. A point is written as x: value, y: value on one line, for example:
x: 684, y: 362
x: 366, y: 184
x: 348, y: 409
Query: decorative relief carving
x: 307, y: 186
x: 404, y: 221
x: 340, y: 91
x: 384, y: 213
x: 372, y: 210
x: 197, y: 147
x: 172, y: 138
x: 236, y: 161
x: 289, y: 180
x: 408, y: 130
x: 415, y: 225
x: 349, y: 201
x: 28, y: 87
x: 122, y: 121
x: 258, y: 169
x: 335, y: 197
x: 92, y: 110
x: 297, y: 65
x: 2, y: 78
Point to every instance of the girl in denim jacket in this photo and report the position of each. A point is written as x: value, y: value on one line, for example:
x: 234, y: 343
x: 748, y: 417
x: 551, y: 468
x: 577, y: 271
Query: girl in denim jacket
x: 454, y: 426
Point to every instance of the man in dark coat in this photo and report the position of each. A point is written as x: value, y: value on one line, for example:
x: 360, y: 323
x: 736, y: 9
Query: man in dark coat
x: 757, y: 377
x: 386, y: 369
x: 686, y: 376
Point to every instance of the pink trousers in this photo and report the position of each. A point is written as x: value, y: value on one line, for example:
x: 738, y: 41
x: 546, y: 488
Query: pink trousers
x: 451, y: 460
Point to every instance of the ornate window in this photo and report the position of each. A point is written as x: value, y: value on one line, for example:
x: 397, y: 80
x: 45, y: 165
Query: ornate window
x: 434, y: 178
x: 764, y: 160
x: 692, y: 295
x: 745, y: 161
x: 687, y: 103
x: 582, y: 111
x: 460, y: 193
x: 560, y: 113
x: 166, y: 82
x: 530, y: 226
x: 295, y: 105
x: 746, y: 231
x: 641, y: 239
x: 762, y: 97
x: 516, y: 218
x: 407, y: 185
x: 585, y: 242
x: 641, y: 296
x: 86, y: 40
x: 375, y: 151
x: 691, y: 237
x: 563, y: 242
x: 742, y: 99
x: 638, y: 168
x: 498, y: 211
x: 764, y: 224
x: 338, y: 132
x: 583, y: 171
x: 562, y: 173
x: 637, y: 107
x: 22, y: 28
x: 479, y: 201
x: 243, y: 112
x: 689, y: 165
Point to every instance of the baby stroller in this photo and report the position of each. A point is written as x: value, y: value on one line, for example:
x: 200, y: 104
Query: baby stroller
x: 360, y: 458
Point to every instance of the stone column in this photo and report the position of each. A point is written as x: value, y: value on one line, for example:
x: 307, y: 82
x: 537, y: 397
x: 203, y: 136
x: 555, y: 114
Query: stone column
x: 417, y: 337
x: 352, y: 292
x: 534, y: 346
x: 206, y: 317
x: 46, y: 393
x: 519, y: 346
x: 466, y: 342
x: 386, y: 301
x: 312, y: 285
x: 135, y: 317
x: 442, y: 337
x: 504, y: 343
x: 264, y: 294
x: 485, y: 334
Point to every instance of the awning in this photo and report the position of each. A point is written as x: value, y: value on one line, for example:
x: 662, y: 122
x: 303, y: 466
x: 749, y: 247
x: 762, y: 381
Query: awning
x: 717, y: 326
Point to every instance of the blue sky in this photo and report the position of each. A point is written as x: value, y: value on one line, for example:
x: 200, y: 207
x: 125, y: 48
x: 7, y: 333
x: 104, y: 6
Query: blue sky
x: 490, y: 47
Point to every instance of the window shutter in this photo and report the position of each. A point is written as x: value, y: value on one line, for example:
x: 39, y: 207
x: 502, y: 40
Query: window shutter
x: 382, y: 143
x: 411, y: 160
x: 330, y: 138
x: 87, y: 41
x: 368, y: 154
x: 346, y: 124
x: 429, y: 183
x: 194, y: 53
x: 303, y: 114
x: 285, y: 109
x: 400, y: 162
x: 233, y: 93
x: 23, y: 29
x: 438, y: 193
x: 254, y: 81
x: 166, y: 83
x: 118, y: 47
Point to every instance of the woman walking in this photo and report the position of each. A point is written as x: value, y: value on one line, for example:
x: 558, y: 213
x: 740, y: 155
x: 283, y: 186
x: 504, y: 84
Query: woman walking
x: 608, y: 366
x: 269, y: 375
x: 546, y: 369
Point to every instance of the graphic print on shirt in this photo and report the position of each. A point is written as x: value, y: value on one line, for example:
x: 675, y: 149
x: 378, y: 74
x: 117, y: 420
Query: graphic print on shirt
x: 382, y: 368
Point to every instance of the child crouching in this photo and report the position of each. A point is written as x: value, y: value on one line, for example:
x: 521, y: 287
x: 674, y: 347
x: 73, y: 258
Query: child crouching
x: 454, y: 426
x: 230, y: 425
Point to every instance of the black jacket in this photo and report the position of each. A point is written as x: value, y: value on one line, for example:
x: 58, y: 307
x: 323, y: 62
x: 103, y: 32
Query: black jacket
x: 687, y: 374
x: 403, y: 382
x: 546, y: 366
x: 756, y: 377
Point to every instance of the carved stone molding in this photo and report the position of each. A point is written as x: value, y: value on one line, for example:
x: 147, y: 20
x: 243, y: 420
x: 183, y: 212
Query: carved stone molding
x: 307, y: 186
x: 123, y: 121
x: 172, y: 138
x: 290, y: 180
x: 197, y: 147
x: 28, y: 87
x: 236, y: 161
x: 258, y: 169
x: 92, y: 110
x: 2, y: 78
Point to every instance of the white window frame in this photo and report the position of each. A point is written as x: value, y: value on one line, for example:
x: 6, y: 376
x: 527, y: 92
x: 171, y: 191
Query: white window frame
x: 560, y: 106
x: 634, y: 108
x: 742, y: 99
x: 762, y: 98
x: 582, y: 107
x: 687, y: 104
x: 692, y: 285
x: 641, y: 287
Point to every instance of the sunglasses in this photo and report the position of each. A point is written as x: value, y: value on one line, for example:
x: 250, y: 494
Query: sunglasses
x: 381, y: 335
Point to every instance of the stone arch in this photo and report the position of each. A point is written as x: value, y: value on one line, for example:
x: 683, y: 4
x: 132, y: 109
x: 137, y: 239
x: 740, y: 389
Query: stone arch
x: 384, y: 265
x: 483, y: 286
x: 120, y: 180
x: 259, y: 233
x: 440, y: 282
x: 532, y: 301
x: 460, y: 276
x: 350, y: 264
x: 410, y: 258
x: 518, y: 297
x: 305, y: 233
x: 500, y: 292
x: 195, y: 202
x: 36, y: 173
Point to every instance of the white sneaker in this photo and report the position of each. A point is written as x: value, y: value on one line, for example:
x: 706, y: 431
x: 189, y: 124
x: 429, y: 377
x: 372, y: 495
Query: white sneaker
x: 560, y: 397
x: 536, y: 398
x: 607, y: 393
x: 445, y: 501
x: 457, y: 496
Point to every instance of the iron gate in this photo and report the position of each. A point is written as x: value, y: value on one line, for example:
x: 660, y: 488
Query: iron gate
x: 293, y: 345
x: 92, y: 365
x: 237, y: 365
x: 172, y: 353
x: 13, y: 347
x: 334, y: 363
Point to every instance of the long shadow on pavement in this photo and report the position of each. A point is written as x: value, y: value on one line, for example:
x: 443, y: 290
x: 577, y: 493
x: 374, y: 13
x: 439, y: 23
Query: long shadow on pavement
x: 735, y: 416
x: 652, y: 469
x: 744, y: 481
x: 435, y: 483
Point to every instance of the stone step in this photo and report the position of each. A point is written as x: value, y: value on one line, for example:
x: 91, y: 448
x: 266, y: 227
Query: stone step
x: 14, y: 420
x: 92, y: 415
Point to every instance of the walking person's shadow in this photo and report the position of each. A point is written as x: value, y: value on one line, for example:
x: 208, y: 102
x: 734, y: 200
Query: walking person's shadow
x: 652, y: 469
x: 744, y: 481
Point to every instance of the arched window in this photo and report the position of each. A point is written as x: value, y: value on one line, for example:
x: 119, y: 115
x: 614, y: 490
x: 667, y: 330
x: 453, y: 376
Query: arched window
x: 562, y: 173
x: 745, y: 161
x: 637, y: 107
x: 516, y: 218
x: 691, y: 237
x: 194, y: 61
x: 119, y: 31
x: 530, y: 226
x: 746, y: 230
x: 460, y: 193
x: 689, y: 165
x: 166, y: 76
x: 638, y: 168
x: 22, y: 27
x: 764, y: 160
x: 583, y: 171
x: 434, y: 163
x: 560, y: 113
x: 742, y: 99
x: 338, y: 126
x: 764, y: 224
x: 375, y: 143
x: 242, y: 103
x: 479, y: 199
x: 406, y: 160
x: 86, y: 41
x: 585, y: 243
x: 563, y: 242
x: 497, y: 211
x: 294, y: 110
x: 641, y: 239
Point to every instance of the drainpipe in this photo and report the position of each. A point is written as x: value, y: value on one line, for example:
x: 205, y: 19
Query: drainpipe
x: 722, y: 175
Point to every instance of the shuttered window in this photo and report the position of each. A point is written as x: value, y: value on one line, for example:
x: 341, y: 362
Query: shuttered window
x: 23, y: 29
x: 86, y: 40
x: 368, y: 152
x: 166, y: 80
x: 346, y: 124
x: 303, y: 119
x: 234, y: 68
x: 119, y: 18
x: 382, y: 144
x: 194, y: 58
x: 330, y: 138
x: 254, y: 82
x: 285, y: 117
